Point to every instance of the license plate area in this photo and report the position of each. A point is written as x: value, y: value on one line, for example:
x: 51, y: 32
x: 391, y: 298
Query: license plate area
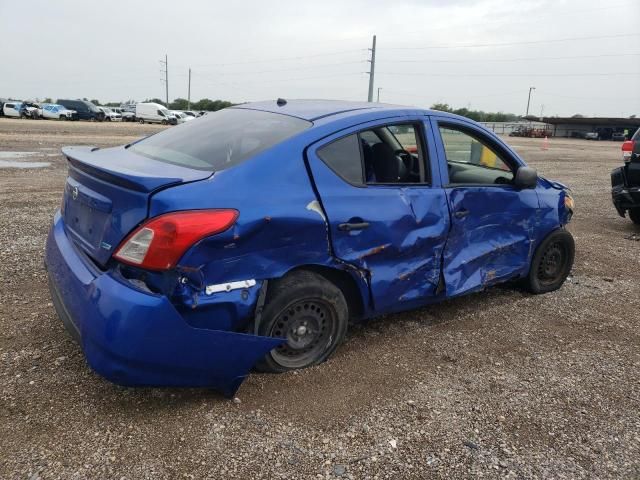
x: 86, y: 214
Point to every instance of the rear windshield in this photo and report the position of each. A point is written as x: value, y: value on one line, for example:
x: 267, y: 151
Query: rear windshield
x: 220, y: 140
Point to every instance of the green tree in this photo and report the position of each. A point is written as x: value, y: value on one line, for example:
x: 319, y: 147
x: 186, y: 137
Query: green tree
x: 443, y: 107
x: 47, y: 100
x: 179, y: 104
x: 154, y: 100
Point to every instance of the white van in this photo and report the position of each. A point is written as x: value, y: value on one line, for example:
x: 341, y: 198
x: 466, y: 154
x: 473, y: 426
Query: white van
x: 154, y: 113
x: 11, y: 109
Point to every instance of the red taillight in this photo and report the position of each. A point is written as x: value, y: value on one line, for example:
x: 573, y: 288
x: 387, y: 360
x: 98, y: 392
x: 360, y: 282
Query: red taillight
x: 159, y: 243
x: 627, y: 150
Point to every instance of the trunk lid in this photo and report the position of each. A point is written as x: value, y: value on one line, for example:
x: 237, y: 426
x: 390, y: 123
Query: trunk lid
x: 107, y: 195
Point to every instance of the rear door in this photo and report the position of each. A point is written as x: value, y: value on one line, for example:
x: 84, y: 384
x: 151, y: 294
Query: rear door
x: 492, y: 222
x: 387, y: 215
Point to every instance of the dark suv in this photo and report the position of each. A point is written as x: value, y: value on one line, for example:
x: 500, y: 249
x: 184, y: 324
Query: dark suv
x: 85, y: 110
x: 625, y: 180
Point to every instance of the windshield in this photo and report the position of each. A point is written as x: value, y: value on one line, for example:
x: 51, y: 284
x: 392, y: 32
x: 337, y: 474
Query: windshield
x: 220, y: 140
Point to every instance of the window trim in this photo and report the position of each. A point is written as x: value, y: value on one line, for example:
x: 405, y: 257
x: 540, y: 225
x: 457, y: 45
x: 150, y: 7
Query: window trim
x: 505, y: 156
x: 425, y: 172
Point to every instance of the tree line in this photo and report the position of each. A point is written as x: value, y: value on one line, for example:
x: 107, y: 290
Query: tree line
x: 477, y: 115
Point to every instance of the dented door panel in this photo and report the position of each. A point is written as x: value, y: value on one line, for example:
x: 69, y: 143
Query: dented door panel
x: 494, y: 241
x: 401, y: 249
x: 494, y: 228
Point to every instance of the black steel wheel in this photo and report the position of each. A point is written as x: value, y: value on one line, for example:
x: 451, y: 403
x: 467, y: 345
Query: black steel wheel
x: 551, y: 263
x: 310, y: 314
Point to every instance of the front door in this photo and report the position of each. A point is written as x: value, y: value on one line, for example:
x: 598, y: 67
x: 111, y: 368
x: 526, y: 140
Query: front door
x: 492, y: 221
x: 386, y: 214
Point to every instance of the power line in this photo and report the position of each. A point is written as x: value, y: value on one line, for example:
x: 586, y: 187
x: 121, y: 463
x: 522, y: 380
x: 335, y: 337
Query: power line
x: 293, y: 69
x: 506, y: 44
x: 527, y: 16
x: 462, y: 75
x: 281, y: 59
x: 499, y: 60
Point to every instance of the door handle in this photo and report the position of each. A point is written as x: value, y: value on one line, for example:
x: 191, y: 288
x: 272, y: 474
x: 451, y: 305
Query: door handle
x: 461, y: 213
x: 348, y: 227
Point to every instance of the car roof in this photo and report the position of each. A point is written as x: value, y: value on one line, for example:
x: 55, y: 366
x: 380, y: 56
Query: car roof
x: 312, y: 110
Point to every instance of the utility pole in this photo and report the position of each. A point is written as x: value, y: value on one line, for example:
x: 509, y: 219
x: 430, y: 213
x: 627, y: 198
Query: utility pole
x: 378, y: 99
x: 371, y: 71
x: 166, y: 77
x: 529, y: 100
x: 189, y: 92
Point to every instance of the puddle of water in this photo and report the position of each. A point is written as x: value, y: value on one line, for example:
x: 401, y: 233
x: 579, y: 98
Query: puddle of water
x: 14, y: 155
x: 12, y: 164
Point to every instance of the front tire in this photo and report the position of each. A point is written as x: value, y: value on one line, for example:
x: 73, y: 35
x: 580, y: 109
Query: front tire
x: 308, y: 311
x: 551, y: 263
x: 141, y: 121
x: 634, y: 215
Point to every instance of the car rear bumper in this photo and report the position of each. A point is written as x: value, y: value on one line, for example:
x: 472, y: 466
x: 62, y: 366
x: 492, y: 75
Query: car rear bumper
x: 625, y: 198
x: 136, y: 338
x: 625, y: 187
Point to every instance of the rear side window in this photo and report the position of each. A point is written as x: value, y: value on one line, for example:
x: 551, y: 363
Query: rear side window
x: 220, y: 140
x: 385, y: 155
x: 343, y: 157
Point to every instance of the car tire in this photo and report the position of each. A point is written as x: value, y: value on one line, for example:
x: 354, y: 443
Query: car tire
x: 634, y: 215
x: 311, y: 313
x: 164, y: 122
x: 552, y: 262
x: 141, y: 121
x: 63, y: 118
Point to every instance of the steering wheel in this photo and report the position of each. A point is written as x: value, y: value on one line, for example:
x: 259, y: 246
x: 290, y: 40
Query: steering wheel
x: 409, y: 160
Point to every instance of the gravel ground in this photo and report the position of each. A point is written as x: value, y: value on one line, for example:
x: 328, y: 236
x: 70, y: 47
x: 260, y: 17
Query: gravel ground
x: 497, y: 384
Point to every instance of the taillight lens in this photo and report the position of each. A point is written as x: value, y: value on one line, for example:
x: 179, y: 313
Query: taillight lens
x: 627, y: 149
x: 159, y: 243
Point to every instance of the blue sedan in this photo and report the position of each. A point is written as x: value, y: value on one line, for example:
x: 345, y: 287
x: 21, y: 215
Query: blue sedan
x: 252, y: 237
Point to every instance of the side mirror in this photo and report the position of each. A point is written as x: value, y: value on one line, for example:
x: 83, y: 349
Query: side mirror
x: 526, y: 177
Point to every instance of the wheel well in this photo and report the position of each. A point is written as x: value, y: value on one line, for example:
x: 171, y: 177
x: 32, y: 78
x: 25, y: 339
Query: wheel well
x: 345, y: 282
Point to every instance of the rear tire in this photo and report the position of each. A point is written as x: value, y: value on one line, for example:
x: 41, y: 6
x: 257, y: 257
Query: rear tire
x: 141, y: 121
x: 308, y: 311
x: 551, y: 263
x: 634, y: 215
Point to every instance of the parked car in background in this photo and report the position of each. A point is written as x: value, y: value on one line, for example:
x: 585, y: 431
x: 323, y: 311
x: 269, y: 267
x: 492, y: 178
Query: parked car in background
x: 11, y: 109
x: 591, y: 136
x: 180, y: 259
x: 128, y: 112
x: 190, y: 113
x: 181, y: 117
x: 85, y: 109
x: 618, y: 137
x: 154, y: 113
x: 625, y: 180
x: 110, y: 115
x: 59, y: 112
x: 30, y: 110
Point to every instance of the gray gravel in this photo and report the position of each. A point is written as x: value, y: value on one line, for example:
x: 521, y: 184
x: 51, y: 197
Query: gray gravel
x: 497, y: 384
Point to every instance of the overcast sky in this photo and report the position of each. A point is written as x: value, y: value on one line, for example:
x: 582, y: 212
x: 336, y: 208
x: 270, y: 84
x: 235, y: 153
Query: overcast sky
x: 482, y: 54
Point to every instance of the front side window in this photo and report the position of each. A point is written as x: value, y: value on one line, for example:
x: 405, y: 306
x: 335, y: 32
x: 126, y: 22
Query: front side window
x: 389, y: 154
x: 221, y: 139
x: 472, y: 161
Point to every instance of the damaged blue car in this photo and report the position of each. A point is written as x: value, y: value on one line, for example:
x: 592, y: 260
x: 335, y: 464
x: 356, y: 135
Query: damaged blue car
x: 251, y: 237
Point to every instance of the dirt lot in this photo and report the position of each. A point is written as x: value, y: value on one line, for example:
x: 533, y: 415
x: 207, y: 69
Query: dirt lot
x: 498, y: 384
